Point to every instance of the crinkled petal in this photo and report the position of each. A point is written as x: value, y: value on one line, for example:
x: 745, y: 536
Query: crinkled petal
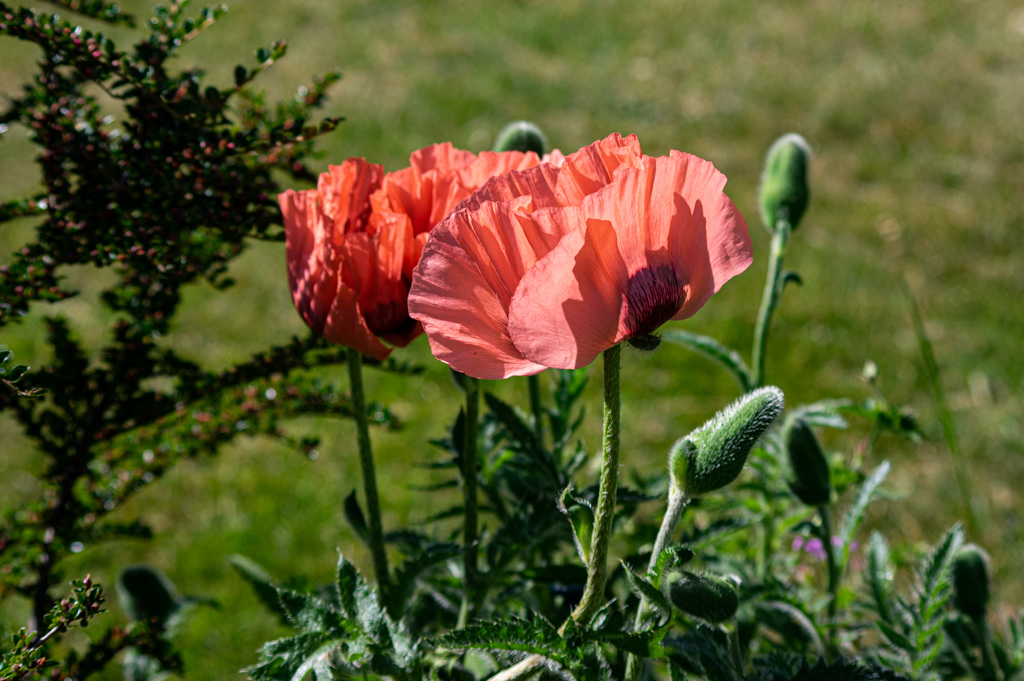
x: 345, y: 326
x: 464, y: 318
x: 344, y: 192
x: 566, y: 310
x: 312, y: 260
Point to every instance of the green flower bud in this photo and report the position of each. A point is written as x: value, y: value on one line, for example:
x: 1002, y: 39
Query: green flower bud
x: 784, y: 192
x: 810, y: 481
x: 521, y: 136
x: 711, y: 599
x: 712, y: 456
x: 971, y: 581
x: 146, y: 594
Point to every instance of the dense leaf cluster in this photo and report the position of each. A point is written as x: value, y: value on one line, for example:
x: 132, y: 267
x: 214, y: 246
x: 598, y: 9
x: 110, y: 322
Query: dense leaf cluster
x: 152, y: 174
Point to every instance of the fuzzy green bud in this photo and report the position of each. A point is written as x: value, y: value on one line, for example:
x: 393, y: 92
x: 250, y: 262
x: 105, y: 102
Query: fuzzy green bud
x: 971, y: 580
x: 810, y: 482
x: 521, y: 136
x: 712, y: 456
x: 784, y: 192
x: 145, y: 593
x: 706, y: 598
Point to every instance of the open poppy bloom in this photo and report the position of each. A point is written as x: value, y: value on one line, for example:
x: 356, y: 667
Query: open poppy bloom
x: 551, y: 266
x: 352, y: 242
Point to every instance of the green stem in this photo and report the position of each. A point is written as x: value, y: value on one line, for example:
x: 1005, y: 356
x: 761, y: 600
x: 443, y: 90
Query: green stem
x: 769, y: 299
x: 677, y: 501
x: 536, y: 408
x: 597, y: 569
x: 380, y: 559
x: 469, y: 494
x: 833, y: 574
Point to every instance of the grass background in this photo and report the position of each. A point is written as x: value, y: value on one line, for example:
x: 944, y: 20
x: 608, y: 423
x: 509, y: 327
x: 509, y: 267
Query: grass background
x: 913, y: 110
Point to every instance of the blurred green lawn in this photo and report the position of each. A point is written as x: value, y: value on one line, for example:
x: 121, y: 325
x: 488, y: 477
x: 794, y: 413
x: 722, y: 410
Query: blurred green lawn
x: 914, y: 112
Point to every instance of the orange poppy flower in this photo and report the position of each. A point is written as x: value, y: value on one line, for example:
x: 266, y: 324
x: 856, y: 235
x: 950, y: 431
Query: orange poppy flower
x: 352, y: 242
x: 551, y: 266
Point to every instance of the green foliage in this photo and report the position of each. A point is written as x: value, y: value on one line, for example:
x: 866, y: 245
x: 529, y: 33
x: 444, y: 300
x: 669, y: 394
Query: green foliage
x: 913, y: 631
x: 160, y: 179
x: 344, y: 631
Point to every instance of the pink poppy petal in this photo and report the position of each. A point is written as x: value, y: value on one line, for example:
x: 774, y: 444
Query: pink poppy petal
x: 566, y: 310
x: 312, y: 262
x: 464, y: 319
x: 592, y: 167
x: 344, y: 325
x: 345, y: 191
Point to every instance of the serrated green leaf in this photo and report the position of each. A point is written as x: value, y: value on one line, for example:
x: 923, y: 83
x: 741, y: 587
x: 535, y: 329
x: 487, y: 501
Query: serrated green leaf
x: 261, y: 582
x: 521, y: 433
x: 537, y: 637
x: 358, y: 601
x: 895, y: 637
x: 649, y: 594
x: 642, y: 644
x: 879, y: 577
x: 307, y: 612
x: 935, y: 566
x: 854, y: 516
x: 413, y: 566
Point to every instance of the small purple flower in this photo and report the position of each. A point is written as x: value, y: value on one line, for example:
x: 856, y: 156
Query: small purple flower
x: 815, y: 547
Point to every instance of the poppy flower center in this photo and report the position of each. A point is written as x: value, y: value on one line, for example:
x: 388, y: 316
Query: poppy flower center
x: 653, y: 296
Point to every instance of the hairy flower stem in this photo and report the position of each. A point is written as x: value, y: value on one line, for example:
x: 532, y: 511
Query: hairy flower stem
x: 677, y: 501
x: 536, y: 408
x: 380, y: 558
x: 833, y: 574
x: 597, y: 558
x: 469, y: 506
x: 769, y: 300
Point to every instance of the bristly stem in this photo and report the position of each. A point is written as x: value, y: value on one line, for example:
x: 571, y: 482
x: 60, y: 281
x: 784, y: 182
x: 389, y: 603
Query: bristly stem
x: 769, y: 299
x: 677, y: 501
x: 380, y: 559
x: 597, y: 569
x: 469, y: 501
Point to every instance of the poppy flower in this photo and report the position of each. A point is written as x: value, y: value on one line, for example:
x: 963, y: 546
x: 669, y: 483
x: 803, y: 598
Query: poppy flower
x: 352, y: 242
x: 553, y: 265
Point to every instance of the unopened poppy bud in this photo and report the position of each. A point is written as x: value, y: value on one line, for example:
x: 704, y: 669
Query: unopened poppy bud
x: 710, y: 599
x: 971, y: 580
x: 784, y: 192
x: 145, y: 593
x: 521, y: 136
x: 712, y: 456
x: 810, y: 482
